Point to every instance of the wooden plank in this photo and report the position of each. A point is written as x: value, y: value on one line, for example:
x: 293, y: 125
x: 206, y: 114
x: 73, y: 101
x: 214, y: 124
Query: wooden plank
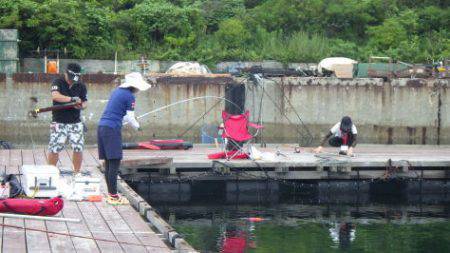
x: 119, y: 227
x: 4, y: 157
x: 98, y: 227
x: 28, y: 157
x: 15, y: 157
x: 79, y: 229
x: 65, y: 160
x: 144, y: 162
x: 94, y: 155
x: 142, y: 230
x: 37, y: 241
x: 14, y: 239
x: 113, y: 220
x: 39, y: 156
x: 89, y: 160
x: 59, y: 243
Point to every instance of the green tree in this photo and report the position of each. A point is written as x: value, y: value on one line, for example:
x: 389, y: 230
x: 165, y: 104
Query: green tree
x: 215, y: 30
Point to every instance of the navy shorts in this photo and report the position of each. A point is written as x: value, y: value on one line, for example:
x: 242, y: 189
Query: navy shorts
x: 109, y: 143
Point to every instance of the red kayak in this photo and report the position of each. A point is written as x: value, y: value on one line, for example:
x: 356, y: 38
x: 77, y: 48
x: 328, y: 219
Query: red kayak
x: 42, y: 207
x: 159, y: 144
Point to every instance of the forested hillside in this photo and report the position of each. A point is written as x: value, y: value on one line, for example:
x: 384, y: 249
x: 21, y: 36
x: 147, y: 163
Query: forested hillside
x: 216, y: 30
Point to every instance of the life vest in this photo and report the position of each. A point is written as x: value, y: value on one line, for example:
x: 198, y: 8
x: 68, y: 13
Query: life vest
x: 345, y: 139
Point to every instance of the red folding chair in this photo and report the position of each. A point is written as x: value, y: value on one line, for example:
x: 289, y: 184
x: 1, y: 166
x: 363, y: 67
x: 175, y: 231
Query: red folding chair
x: 235, y: 135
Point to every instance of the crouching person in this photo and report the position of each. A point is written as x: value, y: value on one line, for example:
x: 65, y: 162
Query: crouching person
x: 120, y: 108
x: 343, y: 135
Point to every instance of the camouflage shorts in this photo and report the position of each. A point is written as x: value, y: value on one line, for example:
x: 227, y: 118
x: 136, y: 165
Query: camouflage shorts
x: 60, y: 132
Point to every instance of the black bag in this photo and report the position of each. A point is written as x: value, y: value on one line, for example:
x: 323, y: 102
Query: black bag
x: 15, y: 187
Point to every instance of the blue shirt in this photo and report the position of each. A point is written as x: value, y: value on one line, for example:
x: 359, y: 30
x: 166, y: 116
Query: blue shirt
x: 120, y: 101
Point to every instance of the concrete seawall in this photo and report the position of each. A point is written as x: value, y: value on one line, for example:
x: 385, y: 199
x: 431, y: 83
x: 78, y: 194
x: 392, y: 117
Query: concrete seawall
x: 400, y: 111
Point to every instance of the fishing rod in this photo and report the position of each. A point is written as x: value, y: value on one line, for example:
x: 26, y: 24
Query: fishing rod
x: 185, y: 101
x: 34, y: 113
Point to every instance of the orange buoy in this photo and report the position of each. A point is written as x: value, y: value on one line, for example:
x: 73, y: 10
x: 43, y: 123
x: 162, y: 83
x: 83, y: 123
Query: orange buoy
x: 52, y: 67
x: 255, y: 219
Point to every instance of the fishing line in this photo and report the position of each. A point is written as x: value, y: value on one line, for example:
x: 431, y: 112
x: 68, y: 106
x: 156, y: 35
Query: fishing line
x: 199, y: 118
x: 257, y: 83
x: 308, y: 136
x: 86, y: 237
x: 184, y: 101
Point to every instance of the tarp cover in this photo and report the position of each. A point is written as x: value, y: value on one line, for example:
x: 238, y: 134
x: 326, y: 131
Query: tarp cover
x: 328, y: 63
x: 188, y: 68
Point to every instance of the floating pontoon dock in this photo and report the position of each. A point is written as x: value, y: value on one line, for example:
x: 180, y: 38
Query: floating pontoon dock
x: 104, y: 228
x: 122, y: 229
x: 369, y: 162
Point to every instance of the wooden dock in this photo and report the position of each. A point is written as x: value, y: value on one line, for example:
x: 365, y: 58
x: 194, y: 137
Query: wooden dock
x: 104, y: 228
x: 369, y: 162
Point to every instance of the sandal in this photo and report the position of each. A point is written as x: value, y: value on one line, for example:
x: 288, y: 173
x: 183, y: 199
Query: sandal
x: 115, y: 201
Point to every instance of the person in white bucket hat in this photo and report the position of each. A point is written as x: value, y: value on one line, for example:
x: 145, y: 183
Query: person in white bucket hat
x: 120, y: 108
x: 135, y: 80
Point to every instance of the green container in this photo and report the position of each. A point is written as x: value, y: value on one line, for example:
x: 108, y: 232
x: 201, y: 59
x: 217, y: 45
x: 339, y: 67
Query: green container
x: 378, y: 69
x: 8, y: 51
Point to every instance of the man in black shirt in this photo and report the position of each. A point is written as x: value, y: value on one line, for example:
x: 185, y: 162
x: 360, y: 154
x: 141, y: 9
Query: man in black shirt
x: 66, y: 124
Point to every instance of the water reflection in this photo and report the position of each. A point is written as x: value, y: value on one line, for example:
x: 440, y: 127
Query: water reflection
x: 308, y: 217
x: 343, y: 234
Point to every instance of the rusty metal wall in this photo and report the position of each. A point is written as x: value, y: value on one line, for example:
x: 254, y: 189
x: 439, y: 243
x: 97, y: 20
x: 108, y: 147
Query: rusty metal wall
x: 16, y: 101
x: 399, y: 111
x: 408, y: 111
x: 47, y: 78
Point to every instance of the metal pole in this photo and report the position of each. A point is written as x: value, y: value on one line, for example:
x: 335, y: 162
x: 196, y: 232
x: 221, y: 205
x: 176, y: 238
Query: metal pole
x: 45, y: 63
x: 32, y: 217
x: 115, y: 63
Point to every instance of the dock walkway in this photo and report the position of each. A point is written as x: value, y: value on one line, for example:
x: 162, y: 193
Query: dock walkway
x: 104, y: 228
x: 369, y: 162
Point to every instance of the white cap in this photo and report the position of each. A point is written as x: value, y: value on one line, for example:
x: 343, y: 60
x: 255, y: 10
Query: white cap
x: 135, y: 80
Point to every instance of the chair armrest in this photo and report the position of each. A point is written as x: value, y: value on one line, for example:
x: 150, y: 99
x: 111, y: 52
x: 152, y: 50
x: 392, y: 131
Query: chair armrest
x: 256, y: 126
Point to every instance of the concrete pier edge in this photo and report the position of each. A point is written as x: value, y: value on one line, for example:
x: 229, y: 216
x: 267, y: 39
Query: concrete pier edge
x: 147, y: 211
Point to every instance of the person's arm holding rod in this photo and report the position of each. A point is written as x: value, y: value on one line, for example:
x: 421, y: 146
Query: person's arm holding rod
x: 58, y: 97
x: 352, y: 145
x: 320, y: 147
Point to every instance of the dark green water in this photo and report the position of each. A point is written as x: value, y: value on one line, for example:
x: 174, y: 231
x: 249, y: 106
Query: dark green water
x: 333, y: 233
x: 212, y: 218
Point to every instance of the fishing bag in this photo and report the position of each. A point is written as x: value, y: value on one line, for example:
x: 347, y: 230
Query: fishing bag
x: 15, y: 187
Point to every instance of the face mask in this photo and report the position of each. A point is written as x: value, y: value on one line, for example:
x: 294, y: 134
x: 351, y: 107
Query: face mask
x: 73, y: 75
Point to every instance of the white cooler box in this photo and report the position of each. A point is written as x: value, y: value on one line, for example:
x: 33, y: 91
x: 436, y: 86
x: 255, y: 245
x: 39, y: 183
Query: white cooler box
x: 84, y: 187
x: 40, y: 181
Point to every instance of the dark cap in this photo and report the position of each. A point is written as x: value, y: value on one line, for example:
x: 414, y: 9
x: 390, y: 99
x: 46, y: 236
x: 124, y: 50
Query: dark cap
x: 346, y: 124
x: 74, y: 71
